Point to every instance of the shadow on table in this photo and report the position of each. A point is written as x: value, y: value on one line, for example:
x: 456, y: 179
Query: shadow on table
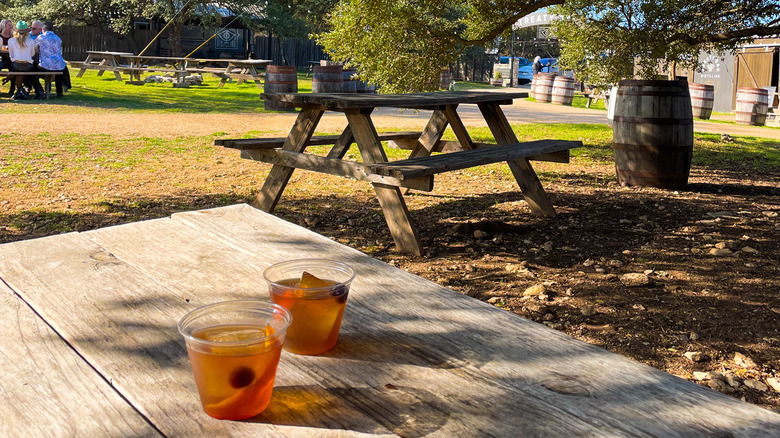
x: 405, y: 411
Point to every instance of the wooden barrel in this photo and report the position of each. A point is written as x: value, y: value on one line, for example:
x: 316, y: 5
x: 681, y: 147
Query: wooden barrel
x: 752, y: 106
x: 702, y: 98
x: 653, y: 133
x: 445, y: 79
x: 365, y: 87
x: 544, y: 86
x: 533, y: 87
x: 327, y: 79
x: 350, y: 81
x: 280, y: 79
x: 562, y: 90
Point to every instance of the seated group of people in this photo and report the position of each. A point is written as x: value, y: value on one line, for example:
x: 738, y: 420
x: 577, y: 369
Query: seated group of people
x: 33, y: 48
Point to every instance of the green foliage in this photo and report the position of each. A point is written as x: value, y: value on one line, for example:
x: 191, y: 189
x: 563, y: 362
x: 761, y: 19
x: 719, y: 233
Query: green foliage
x: 402, y: 45
x: 609, y: 40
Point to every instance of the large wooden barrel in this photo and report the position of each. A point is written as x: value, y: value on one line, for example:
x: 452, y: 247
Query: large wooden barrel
x: 702, y: 98
x: 544, y: 86
x: 653, y: 133
x: 445, y: 79
x: 350, y: 81
x: 327, y: 79
x: 752, y: 106
x: 533, y: 87
x: 280, y: 79
x: 365, y: 87
x: 562, y: 90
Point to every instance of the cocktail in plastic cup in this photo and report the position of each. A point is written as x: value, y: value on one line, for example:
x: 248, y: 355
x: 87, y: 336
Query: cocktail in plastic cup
x: 234, y: 349
x: 315, y: 292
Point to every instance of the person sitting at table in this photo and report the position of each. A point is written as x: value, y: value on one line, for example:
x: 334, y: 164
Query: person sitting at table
x: 21, y: 50
x: 6, y: 33
x: 49, y: 47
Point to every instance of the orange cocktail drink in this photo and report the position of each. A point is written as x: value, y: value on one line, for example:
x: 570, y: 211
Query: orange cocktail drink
x: 315, y: 292
x: 234, y: 349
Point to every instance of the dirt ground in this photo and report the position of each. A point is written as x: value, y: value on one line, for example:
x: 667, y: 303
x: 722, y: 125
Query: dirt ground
x: 701, y: 301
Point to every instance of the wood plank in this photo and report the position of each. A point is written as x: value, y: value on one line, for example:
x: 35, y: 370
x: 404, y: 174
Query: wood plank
x: 124, y: 322
x: 454, y: 146
x: 334, y: 166
x: 275, y: 142
x: 524, y: 174
x: 438, y: 100
x: 424, y: 166
x: 391, y: 200
x: 342, y: 144
x: 296, y: 141
x: 411, y: 325
x: 431, y: 135
x: 458, y: 128
x: 43, y: 378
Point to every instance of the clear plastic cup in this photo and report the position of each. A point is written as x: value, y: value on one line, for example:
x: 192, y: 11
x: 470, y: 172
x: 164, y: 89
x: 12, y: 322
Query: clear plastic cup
x: 234, y: 349
x: 316, y: 299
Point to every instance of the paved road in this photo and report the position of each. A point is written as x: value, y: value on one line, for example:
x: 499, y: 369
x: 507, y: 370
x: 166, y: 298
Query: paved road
x: 523, y: 111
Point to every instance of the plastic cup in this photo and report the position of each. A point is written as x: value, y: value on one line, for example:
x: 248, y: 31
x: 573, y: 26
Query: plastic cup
x: 317, y: 303
x: 234, y: 349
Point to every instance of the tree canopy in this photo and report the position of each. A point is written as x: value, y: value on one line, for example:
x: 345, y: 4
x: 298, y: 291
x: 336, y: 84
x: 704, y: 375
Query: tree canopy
x: 607, y: 41
x: 403, y: 44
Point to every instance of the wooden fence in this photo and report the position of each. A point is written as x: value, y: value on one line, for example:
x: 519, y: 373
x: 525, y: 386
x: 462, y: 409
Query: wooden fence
x: 77, y: 40
x: 296, y: 52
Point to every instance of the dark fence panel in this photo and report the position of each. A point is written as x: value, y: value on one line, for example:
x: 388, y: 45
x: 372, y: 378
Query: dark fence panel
x: 77, y: 40
x: 296, y: 52
x: 474, y: 68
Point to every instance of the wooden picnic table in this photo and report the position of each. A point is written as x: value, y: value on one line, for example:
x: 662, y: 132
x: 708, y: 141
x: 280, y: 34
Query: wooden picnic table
x: 418, y: 171
x: 103, y: 62
x: 242, y: 70
x: 89, y: 347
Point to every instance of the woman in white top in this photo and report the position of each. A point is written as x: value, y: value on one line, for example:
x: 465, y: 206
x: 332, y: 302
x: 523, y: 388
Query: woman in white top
x: 21, y: 49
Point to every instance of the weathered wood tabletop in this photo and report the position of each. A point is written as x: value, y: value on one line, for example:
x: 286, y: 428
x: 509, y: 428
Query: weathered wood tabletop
x: 360, y: 129
x: 89, y: 347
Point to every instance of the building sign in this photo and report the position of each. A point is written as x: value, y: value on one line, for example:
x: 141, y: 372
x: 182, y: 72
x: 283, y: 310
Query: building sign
x: 718, y: 71
x: 227, y: 39
x: 543, y: 33
x: 538, y: 19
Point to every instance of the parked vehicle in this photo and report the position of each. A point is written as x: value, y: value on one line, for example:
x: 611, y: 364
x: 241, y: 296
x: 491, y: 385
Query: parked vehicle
x: 552, y: 67
x: 525, y: 73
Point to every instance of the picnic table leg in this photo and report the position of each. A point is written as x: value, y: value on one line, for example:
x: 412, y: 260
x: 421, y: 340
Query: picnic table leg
x: 524, y: 174
x: 431, y: 135
x: 83, y: 66
x: 258, y: 81
x: 390, y: 198
x: 342, y: 145
x: 115, y: 64
x: 458, y: 128
x: 277, y: 179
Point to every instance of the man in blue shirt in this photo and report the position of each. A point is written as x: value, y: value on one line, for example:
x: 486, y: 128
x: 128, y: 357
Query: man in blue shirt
x: 49, y: 47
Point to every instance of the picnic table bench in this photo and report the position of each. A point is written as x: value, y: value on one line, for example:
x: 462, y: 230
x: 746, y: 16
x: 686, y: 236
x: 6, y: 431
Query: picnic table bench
x: 89, y: 338
x: 48, y: 77
x: 418, y: 174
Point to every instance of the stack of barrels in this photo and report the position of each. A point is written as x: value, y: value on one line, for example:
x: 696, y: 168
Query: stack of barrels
x: 542, y: 87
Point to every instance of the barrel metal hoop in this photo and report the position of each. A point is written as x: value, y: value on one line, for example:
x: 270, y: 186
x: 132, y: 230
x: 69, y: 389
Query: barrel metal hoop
x: 653, y: 120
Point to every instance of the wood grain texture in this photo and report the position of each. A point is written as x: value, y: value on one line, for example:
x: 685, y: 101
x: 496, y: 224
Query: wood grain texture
x: 438, y: 100
x: 425, y: 166
x: 413, y: 359
x: 46, y: 388
x: 296, y: 141
x: 334, y: 166
x: 405, y: 234
x: 271, y: 143
x: 547, y: 383
x: 524, y: 174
